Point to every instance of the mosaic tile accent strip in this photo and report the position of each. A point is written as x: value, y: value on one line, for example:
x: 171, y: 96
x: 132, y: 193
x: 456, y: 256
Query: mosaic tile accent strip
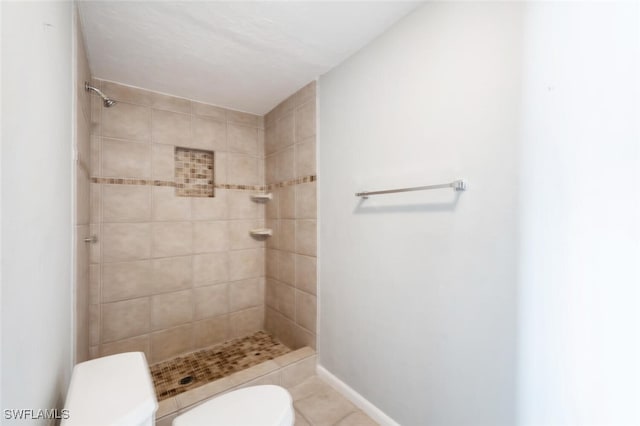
x: 149, y: 182
x: 297, y: 181
x: 183, y: 373
x: 194, y: 172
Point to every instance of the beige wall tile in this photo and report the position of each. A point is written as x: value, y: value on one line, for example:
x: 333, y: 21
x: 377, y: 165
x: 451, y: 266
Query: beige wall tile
x: 306, y: 275
x: 303, y: 337
x: 239, y: 237
x: 171, y: 309
x: 192, y: 397
x: 245, y: 294
x: 134, y: 344
x: 168, y: 206
x: 267, y: 379
x: 95, y: 283
x: 126, y: 280
x: 166, y: 407
x: 95, y: 206
x: 171, y: 274
x: 285, y: 165
x: 306, y: 310
x: 294, y: 356
x: 241, y: 206
x: 271, y: 263
x: 305, y: 94
x: 94, y: 161
x: 208, y: 110
x: 298, y: 372
x: 166, y: 420
x: 126, y: 121
x: 270, y: 140
x: 125, y: 241
x: 210, y: 268
x: 242, y: 139
x: 246, y: 322
x: 211, y: 331
x: 171, y: 239
x: 271, y: 169
x: 129, y: 94
x: 125, y: 159
x: 306, y: 237
x: 170, y: 103
x: 306, y: 201
x: 242, y: 169
x: 285, y: 131
x: 306, y: 120
x: 287, y: 202
x: 95, y: 249
x: 281, y: 327
x: 306, y: 157
x: 219, y: 168
x: 94, y: 324
x: 209, y: 134
x: 211, y: 301
x: 170, y: 128
x: 273, y: 241
x: 286, y: 267
x: 245, y: 264
x: 96, y: 114
x: 163, y: 162
x: 124, y: 319
x: 288, y: 235
x: 272, y: 210
x: 210, y: 208
x: 168, y: 343
x: 285, y: 300
x: 244, y: 118
x: 126, y: 203
x: 210, y: 236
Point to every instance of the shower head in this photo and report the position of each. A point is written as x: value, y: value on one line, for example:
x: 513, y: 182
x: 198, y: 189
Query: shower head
x: 107, y: 102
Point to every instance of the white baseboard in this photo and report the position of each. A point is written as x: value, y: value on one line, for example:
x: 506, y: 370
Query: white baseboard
x: 358, y: 400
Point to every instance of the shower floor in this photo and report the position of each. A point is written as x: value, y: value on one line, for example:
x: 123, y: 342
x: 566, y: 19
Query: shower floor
x: 186, y: 372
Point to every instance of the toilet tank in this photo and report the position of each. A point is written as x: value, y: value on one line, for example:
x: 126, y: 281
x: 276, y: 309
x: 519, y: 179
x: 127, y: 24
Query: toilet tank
x: 109, y: 391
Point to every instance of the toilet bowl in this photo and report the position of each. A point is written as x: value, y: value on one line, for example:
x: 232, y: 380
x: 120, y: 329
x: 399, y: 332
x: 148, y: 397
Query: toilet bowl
x: 118, y: 390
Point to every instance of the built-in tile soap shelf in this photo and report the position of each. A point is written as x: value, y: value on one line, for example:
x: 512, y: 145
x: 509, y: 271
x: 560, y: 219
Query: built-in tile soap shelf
x: 261, y: 232
x: 262, y: 198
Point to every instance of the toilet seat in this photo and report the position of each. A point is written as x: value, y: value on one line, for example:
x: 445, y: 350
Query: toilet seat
x: 266, y: 405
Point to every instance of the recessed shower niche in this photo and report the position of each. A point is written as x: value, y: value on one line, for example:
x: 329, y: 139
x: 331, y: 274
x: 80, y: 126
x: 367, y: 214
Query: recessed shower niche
x: 194, y: 172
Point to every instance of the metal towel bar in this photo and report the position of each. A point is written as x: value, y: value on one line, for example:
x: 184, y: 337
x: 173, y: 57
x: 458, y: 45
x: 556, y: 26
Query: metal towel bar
x: 457, y: 185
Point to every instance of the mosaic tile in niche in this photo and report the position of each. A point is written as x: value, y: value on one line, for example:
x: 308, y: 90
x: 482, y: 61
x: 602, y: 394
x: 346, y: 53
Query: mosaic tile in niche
x: 194, y: 173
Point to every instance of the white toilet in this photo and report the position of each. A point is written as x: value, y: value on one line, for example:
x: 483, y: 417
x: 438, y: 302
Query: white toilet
x: 118, y: 390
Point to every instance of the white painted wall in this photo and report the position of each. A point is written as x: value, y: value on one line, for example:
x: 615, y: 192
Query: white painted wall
x: 579, y: 297
x: 36, y: 203
x: 517, y: 304
x: 418, y: 291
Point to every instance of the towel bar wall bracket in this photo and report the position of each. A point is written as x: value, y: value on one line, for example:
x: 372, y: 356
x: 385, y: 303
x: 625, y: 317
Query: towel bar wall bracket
x: 457, y: 185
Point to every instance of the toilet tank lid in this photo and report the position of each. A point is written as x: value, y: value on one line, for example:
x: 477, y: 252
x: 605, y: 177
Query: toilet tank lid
x: 265, y: 405
x: 109, y: 391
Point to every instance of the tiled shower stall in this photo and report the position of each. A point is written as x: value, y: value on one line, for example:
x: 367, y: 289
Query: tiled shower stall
x: 175, y: 269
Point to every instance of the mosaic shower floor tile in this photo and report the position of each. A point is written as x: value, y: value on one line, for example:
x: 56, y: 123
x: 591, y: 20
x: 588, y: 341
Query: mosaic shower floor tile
x: 183, y: 373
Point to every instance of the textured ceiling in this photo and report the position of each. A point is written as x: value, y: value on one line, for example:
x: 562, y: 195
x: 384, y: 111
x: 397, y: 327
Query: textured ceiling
x: 247, y: 56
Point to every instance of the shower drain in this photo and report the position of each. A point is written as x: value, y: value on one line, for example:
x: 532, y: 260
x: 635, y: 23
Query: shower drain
x: 186, y: 380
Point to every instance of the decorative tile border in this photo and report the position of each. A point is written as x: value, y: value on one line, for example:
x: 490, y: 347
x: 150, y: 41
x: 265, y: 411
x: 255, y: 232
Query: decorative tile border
x: 152, y: 182
x: 297, y: 181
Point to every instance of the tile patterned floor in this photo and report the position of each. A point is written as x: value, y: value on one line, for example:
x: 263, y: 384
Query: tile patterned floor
x: 213, y: 363
x: 318, y: 404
